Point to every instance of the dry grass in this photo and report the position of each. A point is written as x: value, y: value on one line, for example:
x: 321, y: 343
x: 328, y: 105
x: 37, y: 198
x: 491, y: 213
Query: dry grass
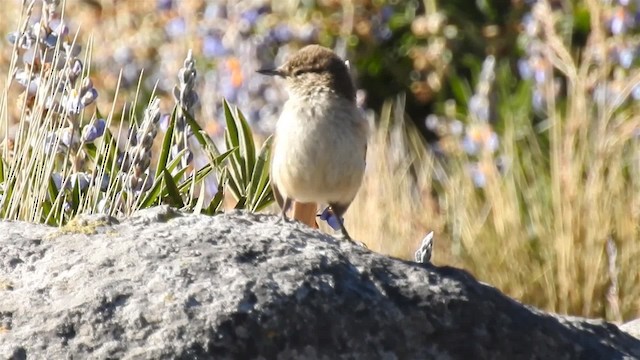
x: 394, y: 208
x: 538, y: 232
x: 558, y: 228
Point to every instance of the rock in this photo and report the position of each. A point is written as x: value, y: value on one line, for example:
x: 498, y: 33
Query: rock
x: 164, y: 285
x: 632, y: 327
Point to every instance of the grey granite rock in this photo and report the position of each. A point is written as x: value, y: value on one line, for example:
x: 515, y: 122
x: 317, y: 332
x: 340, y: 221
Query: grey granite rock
x: 632, y: 327
x: 164, y: 285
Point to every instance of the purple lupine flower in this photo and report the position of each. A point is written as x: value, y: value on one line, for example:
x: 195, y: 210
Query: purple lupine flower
x: 94, y: 130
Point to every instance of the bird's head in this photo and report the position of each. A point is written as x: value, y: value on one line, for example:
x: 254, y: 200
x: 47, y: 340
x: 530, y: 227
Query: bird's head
x: 315, y: 67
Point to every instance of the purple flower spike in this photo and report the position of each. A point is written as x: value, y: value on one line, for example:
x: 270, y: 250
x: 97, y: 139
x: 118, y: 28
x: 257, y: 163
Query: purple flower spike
x: 100, y: 125
x: 93, y: 131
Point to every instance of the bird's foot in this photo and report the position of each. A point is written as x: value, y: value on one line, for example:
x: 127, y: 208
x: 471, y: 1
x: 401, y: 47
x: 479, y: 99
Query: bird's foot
x: 359, y: 243
x: 337, y: 223
x: 283, y: 219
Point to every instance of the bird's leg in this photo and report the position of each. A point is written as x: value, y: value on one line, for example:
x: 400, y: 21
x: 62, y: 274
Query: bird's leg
x: 283, y: 202
x: 338, y: 211
x: 343, y: 229
x: 305, y: 213
x: 285, y: 207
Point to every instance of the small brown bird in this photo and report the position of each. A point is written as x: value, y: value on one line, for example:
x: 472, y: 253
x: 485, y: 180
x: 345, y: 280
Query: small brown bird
x: 320, y: 144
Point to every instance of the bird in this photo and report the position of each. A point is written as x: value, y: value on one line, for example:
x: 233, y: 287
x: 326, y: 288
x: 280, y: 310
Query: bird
x: 320, y: 141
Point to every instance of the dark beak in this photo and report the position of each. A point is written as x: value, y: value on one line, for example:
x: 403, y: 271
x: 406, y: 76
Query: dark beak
x: 271, y: 72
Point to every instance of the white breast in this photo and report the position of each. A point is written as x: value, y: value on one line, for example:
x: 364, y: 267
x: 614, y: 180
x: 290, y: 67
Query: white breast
x: 319, y: 150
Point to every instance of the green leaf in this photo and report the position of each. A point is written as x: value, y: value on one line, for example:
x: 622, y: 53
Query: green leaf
x: 222, y: 157
x: 91, y: 150
x: 166, y: 143
x: 216, y: 202
x: 397, y: 21
x: 460, y: 89
x: 111, y: 146
x: 197, y: 209
x: 52, y: 189
x: 235, y: 178
x: 202, y: 137
x: 47, y: 206
x: 241, y: 203
x: 75, y: 196
x: 260, y: 176
x: 237, y: 162
x: 176, y: 160
x: 178, y: 175
x: 242, y: 164
x: 171, y: 189
x: 199, y: 176
x: 265, y: 199
x: 153, y: 195
x: 234, y: 186
x: 49, y: 213
x: 247, y: 145
x: 231, y: 133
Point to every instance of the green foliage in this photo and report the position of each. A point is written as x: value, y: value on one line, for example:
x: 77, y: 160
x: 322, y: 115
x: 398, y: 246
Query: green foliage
x: 240, y: 172
x: 249, y: 175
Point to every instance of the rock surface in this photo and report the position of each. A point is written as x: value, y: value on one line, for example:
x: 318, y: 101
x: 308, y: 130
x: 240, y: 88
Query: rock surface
x: 632, y: 327
x: 164, y: 285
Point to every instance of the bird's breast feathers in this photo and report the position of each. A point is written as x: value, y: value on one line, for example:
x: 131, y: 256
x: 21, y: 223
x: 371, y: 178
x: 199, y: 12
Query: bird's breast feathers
x: 319, y: 149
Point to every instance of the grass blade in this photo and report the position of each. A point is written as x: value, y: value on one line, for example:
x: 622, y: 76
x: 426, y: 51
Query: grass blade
x: 201, y: 136
x: 166, y: 143
x: 247, y: 145
x: 172, y: 190
x: 153, y: 194
x: 260, y: 175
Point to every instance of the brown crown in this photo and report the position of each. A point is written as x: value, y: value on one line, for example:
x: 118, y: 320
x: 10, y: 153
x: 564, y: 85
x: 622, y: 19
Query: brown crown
x: 320, y: 60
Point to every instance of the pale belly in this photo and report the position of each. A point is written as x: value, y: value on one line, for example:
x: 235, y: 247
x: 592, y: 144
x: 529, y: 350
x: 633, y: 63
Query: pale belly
x: 318, y: 160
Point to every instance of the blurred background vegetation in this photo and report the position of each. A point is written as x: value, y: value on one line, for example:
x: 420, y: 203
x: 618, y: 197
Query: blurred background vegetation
x: 510, y: 128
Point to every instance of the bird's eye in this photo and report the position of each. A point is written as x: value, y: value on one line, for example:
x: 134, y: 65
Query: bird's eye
x: 297, y: 72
